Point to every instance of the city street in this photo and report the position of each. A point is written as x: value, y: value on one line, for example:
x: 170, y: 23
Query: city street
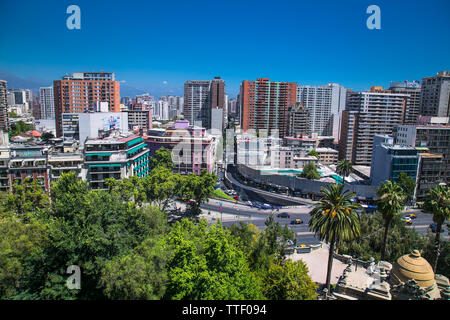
x: 233, y: 213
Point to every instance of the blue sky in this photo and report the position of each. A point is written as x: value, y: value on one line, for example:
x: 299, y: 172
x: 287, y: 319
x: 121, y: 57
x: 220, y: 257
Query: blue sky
x: 157, y: 45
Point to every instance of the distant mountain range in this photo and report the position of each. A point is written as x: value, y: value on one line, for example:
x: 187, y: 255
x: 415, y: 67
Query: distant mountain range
x: 15, y: 82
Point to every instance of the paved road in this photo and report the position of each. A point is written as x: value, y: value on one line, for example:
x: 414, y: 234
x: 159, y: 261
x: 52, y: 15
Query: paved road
x: 233, y: 213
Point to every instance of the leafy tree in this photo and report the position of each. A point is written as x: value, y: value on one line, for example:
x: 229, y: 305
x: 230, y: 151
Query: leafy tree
x: 199, y: 188
x: 206, y: 264
x: 142, y: 274
x: 334, y: 219
x: 438, y: 203
x: 391, y: 203
x: 162, y: 157
x: 313, y: 153
x: 289, y: 281
x: 310, y: 171
x: 27, y: 198
x: 46, y: 136
x: 161, y: 186
x: 371, y: 242
x: 129, y: 189
x: 19, y: 127
x: 408, y: 186
x: 246, y: 236
x: 271, y: 245
x: 21, y: 242
x: 429, y: 253
x: 13, y: 115
x: 344, y: 168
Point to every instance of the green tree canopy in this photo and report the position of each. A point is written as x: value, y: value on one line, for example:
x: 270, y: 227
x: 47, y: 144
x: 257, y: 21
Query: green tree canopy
x: 289, y: 281
x: 310, y: 171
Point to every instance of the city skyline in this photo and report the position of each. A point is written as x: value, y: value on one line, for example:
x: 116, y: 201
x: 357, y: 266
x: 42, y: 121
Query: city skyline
x: 150, y: 50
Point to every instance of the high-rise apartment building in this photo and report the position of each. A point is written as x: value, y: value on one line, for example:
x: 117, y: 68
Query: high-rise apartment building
x: 265, y: 105
x: 4, y: 124
x: 196, y: 108
x: 298, y: 121
x: 47, y: 103
x: 82, y: 90
x: 368, y: 113
x: 435, y: 98
x: 324, y: 105
x: 413, y: 89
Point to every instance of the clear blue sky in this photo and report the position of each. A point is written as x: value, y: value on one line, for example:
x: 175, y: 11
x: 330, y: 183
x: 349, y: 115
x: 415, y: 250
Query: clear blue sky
x: 147, y: 43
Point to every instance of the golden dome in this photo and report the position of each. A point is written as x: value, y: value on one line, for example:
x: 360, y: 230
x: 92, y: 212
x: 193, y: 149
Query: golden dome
x: 413, y: 266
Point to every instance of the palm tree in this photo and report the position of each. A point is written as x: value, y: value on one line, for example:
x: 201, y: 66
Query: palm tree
x: 438, y: 203
x: 334, y: 219
x: 344, y: 168
x: 391, y: 203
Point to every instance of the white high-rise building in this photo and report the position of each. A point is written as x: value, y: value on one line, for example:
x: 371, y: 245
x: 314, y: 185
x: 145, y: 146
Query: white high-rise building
x: 161, y: 110
x: 324, y: 105
x: 47, y: 103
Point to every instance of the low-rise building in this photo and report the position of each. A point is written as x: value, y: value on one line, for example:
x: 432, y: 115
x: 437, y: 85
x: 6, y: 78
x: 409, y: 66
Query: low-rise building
x: 193, y: 149
x: 60, y: 163
x: 327, y: 156
x: 116, y: 156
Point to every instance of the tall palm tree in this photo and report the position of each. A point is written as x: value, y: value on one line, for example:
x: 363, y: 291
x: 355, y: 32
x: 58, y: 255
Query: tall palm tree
x: 344, y: 168
x: 391, y: 203
x: 438, y: 203
x: 334, y: 219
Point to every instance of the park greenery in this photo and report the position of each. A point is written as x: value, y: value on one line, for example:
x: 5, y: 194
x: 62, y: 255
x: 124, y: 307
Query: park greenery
x: 122, y: 242
x: 310, y: 171
x: 18, y: 128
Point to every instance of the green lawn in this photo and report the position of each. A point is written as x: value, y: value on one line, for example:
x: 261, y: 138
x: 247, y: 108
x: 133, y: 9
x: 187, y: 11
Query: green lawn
x: 220, y: 194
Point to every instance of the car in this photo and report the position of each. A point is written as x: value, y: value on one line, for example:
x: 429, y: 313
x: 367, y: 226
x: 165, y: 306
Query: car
x: 283, y: 215
x: 266, y: 206
x: 297, y: 221
x: 407, y: 220
x: 433, y: 227
x: 412, y: 216
x: 249, y: 203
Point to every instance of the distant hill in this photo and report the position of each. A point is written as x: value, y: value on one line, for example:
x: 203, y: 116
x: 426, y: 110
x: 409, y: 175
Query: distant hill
x: 14, y: 82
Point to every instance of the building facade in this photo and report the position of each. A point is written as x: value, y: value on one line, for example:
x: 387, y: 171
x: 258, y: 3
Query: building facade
x: 368, y: 113
x: 324, y: 105
x: 413, y: 89
x: 46, y: 103
x: 435, y: 95
x: 265, y: 105
x: 83, y: 90
x: 116, y: 156
x: 4, y: 123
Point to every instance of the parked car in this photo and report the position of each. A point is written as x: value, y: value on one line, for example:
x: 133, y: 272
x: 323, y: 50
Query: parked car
x: 283, y: 215
x: 412, y: 216
x: 266, y: 206
x: 297, y: 221
x: 249, y: 203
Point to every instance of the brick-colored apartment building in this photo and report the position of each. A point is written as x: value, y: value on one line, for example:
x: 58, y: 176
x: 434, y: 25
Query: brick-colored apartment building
x: 266, y: 104
x: 83, y: 91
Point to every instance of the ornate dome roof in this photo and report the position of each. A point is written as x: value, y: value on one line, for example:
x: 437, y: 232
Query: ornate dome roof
x: 413, y: 266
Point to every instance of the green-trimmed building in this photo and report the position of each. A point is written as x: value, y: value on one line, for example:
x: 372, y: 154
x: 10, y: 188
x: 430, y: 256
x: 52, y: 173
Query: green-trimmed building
x: 115, y: 157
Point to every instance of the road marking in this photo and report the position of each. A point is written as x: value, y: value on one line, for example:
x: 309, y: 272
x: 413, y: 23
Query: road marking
x: 304, y: 233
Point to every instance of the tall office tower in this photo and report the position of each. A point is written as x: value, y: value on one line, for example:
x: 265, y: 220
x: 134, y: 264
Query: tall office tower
x: 435, y: 98
x: 145, y: 99
x: 232, y: 106
x: 4, y: 124
x: 37, y: 108
x: 368, y: 113
x: 29, y: 99
x: 161, y: 110
x: 126, y: 101
x: 412, y: 88
x: 47, y: 102
x: 80, y: 91
x: 217, y: 101
x: 265, y: 105
x: 196, y: 107
x: 324, y: 105
x: 298, y: 120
